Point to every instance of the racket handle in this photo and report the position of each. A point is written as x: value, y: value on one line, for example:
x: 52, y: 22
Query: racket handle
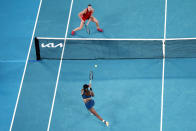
x: 90, y: 81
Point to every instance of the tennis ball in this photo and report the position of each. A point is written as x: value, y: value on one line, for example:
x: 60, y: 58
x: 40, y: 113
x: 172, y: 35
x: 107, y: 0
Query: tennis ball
x: 95, y: 66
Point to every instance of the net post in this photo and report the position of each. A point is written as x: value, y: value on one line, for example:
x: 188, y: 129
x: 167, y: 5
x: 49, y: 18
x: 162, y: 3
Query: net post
x: 37, y: 48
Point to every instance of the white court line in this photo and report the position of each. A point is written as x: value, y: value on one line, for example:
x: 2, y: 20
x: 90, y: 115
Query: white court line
x: 59, y: 71
x: 163, y: 70
x: 25, y: 66
x: 162, y: 94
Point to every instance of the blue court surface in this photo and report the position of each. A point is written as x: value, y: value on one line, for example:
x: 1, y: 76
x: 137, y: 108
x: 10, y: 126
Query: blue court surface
x: 151, y: 90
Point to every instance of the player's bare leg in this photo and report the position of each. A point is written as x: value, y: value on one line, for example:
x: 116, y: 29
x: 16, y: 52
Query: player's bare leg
x: 92, y: 110
x: 93, y: 19
x: 78, y: 28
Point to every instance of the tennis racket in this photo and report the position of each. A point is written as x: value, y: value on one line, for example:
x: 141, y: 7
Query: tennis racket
x: 87, y: 29
x: 90, y: 77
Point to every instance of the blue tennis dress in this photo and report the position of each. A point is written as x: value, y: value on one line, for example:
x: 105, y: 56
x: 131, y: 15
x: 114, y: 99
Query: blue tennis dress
x: 90, y: 103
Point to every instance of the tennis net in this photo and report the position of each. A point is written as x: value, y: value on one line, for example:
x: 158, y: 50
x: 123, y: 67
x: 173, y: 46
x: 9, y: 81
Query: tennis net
x: 93, y: 49
x: 180, y: 48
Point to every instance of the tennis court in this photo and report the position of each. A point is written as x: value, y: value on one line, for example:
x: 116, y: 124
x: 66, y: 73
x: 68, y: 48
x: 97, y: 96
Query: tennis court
x: 145, y: 79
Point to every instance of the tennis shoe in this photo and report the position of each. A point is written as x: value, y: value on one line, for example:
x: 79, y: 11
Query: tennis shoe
x: 100, y: 30
x: 73, y: 33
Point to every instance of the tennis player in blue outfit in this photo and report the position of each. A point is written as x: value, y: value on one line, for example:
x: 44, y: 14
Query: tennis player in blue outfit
x: 87, y: 95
